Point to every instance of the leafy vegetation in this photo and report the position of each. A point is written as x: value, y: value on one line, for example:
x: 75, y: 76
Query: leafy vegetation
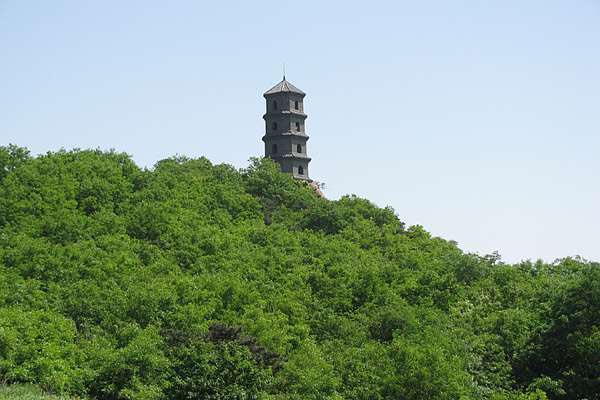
x: 25, y: 392
x: 199, y: 281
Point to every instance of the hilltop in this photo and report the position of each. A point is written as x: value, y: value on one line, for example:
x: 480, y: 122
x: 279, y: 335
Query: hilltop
x: 198, y: 281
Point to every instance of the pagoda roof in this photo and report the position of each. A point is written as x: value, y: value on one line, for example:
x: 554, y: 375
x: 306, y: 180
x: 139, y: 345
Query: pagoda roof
x: 284, y: 86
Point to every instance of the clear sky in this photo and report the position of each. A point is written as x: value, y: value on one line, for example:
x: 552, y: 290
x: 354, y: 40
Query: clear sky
x: 479, y: 120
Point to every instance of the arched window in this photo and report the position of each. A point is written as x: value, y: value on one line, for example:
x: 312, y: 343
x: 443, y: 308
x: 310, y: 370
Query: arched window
x: 274, y: 126
x: 274, y: 105
x: 298, y: 126
x: 298, y: 148
x: 296, y: 104
x: 300, y: 170
x: 274, y: 149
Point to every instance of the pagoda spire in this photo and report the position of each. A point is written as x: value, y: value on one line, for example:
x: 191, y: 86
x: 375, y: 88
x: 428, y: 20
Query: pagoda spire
x: 285, y: 133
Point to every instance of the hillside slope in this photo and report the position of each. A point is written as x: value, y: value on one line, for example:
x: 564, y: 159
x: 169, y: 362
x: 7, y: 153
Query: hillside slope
x: 198, y: 281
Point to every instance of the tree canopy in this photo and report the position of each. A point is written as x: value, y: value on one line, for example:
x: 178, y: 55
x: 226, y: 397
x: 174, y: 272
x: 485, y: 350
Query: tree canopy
x: 198, y: 281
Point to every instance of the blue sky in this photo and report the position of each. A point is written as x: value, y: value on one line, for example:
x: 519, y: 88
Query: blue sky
x: 479, y: 120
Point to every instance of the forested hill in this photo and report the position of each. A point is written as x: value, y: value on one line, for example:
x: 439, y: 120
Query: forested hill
x: 200, y: 281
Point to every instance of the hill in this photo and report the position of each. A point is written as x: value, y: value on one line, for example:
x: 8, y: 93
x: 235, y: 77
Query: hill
x: 200, y: 281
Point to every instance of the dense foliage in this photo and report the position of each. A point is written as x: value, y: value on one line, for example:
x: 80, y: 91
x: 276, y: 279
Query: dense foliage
x: 198, y: 281
x: 27, y: 392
